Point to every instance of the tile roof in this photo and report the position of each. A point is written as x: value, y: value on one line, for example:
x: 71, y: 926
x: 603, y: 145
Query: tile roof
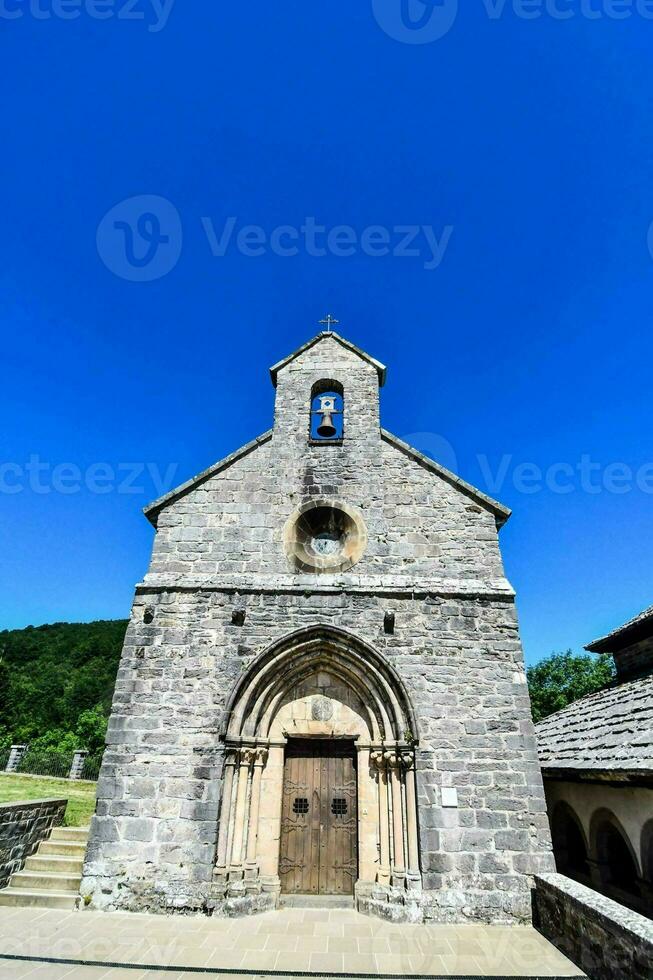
x: 610, y: 731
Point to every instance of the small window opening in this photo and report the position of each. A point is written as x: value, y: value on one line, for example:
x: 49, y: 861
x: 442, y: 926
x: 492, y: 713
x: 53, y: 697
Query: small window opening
x: 327, y: 411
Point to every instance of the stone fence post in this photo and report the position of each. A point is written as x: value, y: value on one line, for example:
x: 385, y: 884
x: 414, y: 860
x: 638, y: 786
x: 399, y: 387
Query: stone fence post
x: 16, y: 753
x: 77, y: 766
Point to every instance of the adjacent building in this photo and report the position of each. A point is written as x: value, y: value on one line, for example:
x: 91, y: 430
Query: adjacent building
x: 597, y: 762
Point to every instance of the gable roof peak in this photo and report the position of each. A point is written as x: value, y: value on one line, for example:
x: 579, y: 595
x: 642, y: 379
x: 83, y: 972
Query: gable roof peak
x: 323, y: 335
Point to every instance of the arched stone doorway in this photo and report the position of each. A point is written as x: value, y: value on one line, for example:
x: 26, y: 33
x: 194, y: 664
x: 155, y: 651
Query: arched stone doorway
x: 319, y: 792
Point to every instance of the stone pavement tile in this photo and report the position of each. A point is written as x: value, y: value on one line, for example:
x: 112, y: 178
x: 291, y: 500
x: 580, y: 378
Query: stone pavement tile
x: 360, y: 963
x: 256, y: 941
x: 224, y: 959
x: 327, y: 963
x: 359, y: 931
x: 283, y: 943
x: 303, y: 928
x: 343, y: 915
x: 329, y: 929
x: 368, y: 945
x: 340, y: 944
x: 467, y: 965
x: 154, y: 975
x: 271, y: 927
x: 293, y: 961
x: 18, y: 969
x: 313, y: 944
x: 255, y: 960
x: 427, y: 965
x: 392, y: 963
x: 58, y: 971
x: 432, y: 945
x: 315, y: 915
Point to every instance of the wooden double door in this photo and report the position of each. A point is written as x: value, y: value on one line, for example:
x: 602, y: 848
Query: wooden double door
x: 319, y: 819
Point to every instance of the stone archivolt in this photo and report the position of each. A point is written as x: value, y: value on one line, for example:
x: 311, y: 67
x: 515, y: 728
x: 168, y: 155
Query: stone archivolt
x: 273, y: 703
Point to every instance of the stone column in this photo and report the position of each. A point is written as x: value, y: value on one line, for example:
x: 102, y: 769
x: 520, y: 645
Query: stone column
x: 393, y: 759
x: 368, y: 817
x: 414, y: 877
x: 269, y: 821
x: 16, y: 753
x: 245, y: 761
x: 379, y: 761
x: 225, y: 810
x: 77, y: 764
x: 252, y: 833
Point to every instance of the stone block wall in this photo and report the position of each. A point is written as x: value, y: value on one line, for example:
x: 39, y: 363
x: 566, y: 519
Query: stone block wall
x: 606, y: 940
x: 22, y: 828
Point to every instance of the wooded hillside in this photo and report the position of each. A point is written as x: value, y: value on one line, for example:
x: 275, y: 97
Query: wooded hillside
x: 56, y: 682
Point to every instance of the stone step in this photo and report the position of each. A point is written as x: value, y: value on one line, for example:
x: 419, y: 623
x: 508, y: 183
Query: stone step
x: 77, y: 835
x: 45, y: 899
x: 62, y: 865
x: 316, y: 902
x: 64, y: 848
x: 45, y: 881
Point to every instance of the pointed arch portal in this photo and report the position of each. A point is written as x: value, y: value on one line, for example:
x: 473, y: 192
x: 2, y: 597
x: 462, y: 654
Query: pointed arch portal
x: 320, y: 714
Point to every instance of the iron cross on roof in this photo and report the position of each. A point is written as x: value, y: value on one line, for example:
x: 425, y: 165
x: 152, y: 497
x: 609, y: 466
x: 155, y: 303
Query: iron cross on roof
x: 329, y: 321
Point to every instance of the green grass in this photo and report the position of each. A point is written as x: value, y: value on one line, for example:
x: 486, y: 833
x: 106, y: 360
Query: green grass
x: 80, y: 796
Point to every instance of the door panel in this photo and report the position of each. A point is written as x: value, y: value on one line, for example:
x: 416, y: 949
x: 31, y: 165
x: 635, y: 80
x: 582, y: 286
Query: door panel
x: 319, y: 826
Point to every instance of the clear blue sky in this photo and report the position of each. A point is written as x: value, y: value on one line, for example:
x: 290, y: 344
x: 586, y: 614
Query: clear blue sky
x: 530, y: 342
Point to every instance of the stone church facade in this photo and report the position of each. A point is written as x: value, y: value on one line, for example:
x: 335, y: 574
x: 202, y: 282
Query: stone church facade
x: 322, y: 689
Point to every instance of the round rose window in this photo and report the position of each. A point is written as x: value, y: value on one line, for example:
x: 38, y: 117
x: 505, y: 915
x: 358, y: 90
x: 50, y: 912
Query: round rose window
x: 324, y: 536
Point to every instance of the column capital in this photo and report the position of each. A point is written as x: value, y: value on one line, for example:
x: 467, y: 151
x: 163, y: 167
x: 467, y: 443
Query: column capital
x: 261, y: 756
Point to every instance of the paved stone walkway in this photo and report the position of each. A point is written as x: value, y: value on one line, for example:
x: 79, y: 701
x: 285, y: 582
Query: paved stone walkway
x: 311, y: 941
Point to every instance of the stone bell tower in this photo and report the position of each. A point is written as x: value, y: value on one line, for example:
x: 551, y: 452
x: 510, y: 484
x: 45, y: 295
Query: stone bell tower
x: 322, y: 690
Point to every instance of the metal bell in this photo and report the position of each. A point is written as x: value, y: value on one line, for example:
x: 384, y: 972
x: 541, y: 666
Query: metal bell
x: 326, y: 429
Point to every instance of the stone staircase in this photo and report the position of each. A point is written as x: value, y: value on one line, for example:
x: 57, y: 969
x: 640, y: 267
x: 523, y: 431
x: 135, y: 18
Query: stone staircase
x: 51, y: 877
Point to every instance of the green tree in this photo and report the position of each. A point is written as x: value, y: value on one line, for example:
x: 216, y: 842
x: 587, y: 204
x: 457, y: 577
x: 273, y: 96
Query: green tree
x: 91, y: 729
x: 558, y: 680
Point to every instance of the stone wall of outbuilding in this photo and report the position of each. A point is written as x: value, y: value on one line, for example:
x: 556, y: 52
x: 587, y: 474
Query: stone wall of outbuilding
x: 604, y: 939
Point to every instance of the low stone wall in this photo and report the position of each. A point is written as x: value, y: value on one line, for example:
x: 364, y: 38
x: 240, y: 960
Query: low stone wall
x: 22, y: 828
x: 606, y: 940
